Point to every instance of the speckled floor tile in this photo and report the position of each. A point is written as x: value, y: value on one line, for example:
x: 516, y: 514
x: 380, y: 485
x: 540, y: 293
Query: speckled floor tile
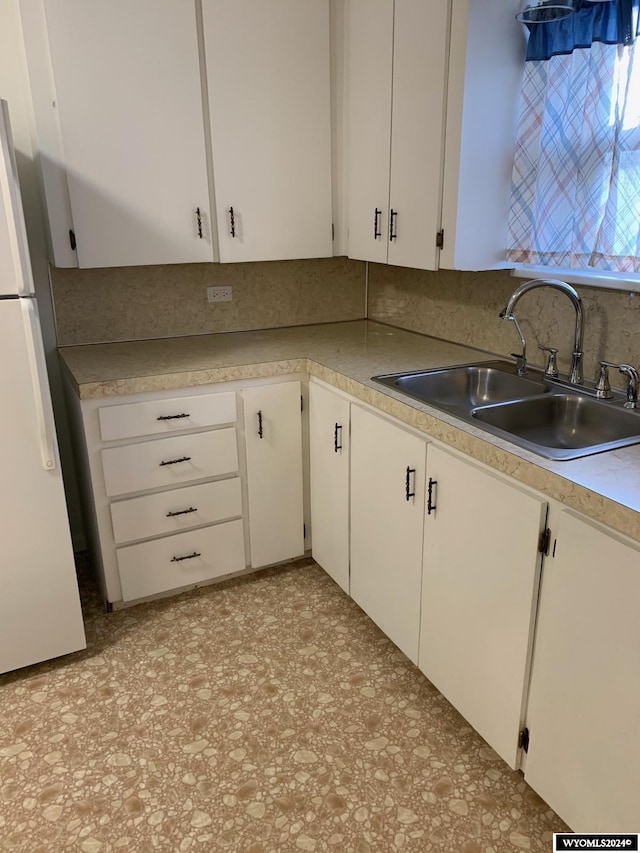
x: 260, y: 715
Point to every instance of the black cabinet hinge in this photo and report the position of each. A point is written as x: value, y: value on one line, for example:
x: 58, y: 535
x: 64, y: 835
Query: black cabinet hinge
x: 72, y: 239
x: 440, y: 239
x: 545, y: 542
x: 523, y: 740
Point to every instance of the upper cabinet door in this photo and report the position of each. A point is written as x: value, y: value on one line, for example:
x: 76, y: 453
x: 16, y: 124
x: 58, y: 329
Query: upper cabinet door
x: 421, y: 34
x: 128, y: 92
x: 397, y: 53
x: 268, y: 78
x: 369, y: 60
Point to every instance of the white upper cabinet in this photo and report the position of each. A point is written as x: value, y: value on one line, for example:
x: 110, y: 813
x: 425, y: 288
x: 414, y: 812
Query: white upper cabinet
x: 129, y: 100
x: 396, y: 75
x: 268, y: 81
x: 485, y: 70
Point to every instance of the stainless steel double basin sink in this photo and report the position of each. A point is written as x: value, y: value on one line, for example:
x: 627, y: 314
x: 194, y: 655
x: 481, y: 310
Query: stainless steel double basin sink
x: 537, y: 414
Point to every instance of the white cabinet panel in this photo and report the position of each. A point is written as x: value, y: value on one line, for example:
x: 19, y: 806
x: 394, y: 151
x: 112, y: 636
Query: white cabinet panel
x: 128, y: 94
x: 268, y: 83
x: 417, y: 130
x: 584, y: 710
x: 169, y: 461
x: 397, y: 56
x: 273, y: 434
x: 176, y: 510
x: 329, y: 442
x: 166, y: 415
x: 180, y: 560
x: 387, y: 522
x: 479, y: 593
x: 369, y: 63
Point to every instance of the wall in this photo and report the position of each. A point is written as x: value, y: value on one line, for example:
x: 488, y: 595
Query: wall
x: 14, y: 88
x: 464, y: 307
x: 129, y: 303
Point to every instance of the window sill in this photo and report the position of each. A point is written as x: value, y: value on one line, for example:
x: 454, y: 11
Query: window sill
x: 591, y: 278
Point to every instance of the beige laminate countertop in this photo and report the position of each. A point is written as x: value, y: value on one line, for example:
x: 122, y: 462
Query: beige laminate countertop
x: 606, y: 487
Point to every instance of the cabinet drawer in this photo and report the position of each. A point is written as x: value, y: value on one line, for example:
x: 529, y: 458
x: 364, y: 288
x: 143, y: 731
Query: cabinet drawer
x: 180, y: 560
x: 162, y: 416
x: 169, y: 461
x: 175, y: 510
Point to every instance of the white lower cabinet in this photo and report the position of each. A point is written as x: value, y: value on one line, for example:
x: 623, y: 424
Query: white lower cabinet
x: 172, y: 497
x: 329, y: 442
x: 273, y: 436
x: 387, y: 522
x: 479, y: 593
x: 584, y: 708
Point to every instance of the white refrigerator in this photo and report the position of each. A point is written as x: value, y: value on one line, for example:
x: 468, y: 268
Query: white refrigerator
x: 40, y: 615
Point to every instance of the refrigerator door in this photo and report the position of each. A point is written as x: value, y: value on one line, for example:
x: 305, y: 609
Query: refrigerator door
x: 15, y: 265
x: 40, y: 616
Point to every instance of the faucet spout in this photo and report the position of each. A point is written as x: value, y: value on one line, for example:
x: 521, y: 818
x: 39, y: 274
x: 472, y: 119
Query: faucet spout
x: 575, y: 374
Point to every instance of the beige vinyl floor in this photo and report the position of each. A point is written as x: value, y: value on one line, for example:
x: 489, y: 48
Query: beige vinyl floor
x: 260, y: 715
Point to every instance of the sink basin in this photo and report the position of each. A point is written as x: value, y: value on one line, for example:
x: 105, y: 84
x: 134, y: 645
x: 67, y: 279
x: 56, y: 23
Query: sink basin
x: 465, y: 387
x: 533, y: 413
x: 563, y: 426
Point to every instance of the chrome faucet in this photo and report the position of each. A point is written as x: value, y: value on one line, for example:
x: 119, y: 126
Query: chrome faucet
x: 575, y: 374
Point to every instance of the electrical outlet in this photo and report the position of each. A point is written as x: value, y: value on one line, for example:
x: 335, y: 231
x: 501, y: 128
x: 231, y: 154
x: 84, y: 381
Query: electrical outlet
x: 220, y: 294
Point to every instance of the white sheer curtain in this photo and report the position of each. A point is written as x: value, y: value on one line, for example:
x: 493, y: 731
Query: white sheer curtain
x: 575, y: 198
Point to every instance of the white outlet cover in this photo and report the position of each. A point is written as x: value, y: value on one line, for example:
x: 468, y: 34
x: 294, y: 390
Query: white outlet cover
x: 220, y: 294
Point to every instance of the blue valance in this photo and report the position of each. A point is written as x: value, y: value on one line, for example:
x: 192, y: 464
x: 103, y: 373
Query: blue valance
x: 611, y: 22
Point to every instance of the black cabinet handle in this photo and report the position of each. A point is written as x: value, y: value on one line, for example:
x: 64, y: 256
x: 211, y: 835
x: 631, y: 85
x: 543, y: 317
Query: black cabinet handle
x: 173, y: 417
x: 232, y: 222
x: 186, y: 557
x: 199, y: 221
x: 182, y: 512
x: 175, y: 461
x: 337, y: 446
x: 260, y: 430
x: 409, y: 494
x: 392, y: 221
x: 376, y: 224
x: 431, y: 506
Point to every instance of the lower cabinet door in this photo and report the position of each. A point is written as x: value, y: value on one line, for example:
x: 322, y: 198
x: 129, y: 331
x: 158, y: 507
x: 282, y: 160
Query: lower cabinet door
x: 180, y: 560
x: 387, y: 522
x: 329, y: 471
x: 584, y: 708
x: 273, y: 434
x: 479, y: 595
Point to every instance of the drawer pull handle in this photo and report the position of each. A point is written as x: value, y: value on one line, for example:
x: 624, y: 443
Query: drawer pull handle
x: 232, y: 222
x: 173, y: 417
x: 409, y: 494
x: 199, y: 222
x: 260, y: 430
x: 186, y: 557
x: 337, y: 446
x: 175, y: 461
x: 431, y: 506
x: 182, y: 512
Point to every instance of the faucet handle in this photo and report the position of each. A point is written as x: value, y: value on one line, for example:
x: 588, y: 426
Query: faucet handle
x: 603, y: 388
x: 552, y: 365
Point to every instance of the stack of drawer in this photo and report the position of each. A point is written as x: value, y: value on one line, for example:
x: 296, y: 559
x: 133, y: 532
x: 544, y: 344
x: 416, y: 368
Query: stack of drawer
x: 193, y: 529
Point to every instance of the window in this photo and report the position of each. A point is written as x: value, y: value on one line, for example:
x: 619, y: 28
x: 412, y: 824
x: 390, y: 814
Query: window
x: 575, y: 202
